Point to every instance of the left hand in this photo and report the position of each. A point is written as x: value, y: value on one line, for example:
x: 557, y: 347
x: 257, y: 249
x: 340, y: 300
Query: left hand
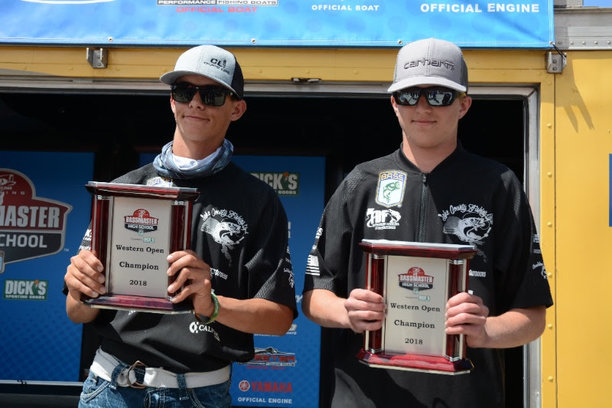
x: 467, y: 314
x: 192, y: 280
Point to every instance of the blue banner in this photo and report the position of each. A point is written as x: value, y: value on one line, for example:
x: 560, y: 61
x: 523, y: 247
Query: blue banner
x: 285, y: 370
x: 44, y: 209
x: 345, y: 23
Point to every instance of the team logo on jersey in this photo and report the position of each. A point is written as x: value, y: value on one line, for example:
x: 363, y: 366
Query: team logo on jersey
x: 470, y: 223
x: 226, y: 227
x: 391, y: 187
x: 416, y: 280
x: 384, y: 219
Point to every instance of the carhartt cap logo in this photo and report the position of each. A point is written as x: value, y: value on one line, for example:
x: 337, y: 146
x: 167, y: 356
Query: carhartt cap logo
x: 430, y: 62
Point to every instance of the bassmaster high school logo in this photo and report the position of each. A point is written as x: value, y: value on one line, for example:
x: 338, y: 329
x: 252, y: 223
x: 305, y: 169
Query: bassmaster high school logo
x: 390, y: 189
x: 416, y: 280
x: 141, y: 221
x: 284, y: 183
x: 25, y: 289
x: 30, y: 226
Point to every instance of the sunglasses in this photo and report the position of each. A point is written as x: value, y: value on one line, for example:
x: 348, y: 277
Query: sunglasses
x: 211, y: 95
x: 435, y: 96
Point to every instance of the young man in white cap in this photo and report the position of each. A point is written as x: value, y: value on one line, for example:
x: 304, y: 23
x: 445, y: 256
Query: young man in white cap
x: 238, y: 276
x: 442, y: 194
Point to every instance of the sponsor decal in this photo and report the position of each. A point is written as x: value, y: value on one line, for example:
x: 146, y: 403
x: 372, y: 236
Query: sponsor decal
x: 415, y: 280
x: 244, y: 385
x: 68, y: 1
x: 259, y: 3
x: 271, y: 357
x: 197, y: 327
x: 265, y: 386
x: 385, y: 219
x: 284, y: 183
x: 391, y: 187
x: 539, y: 268
x: 25, y: 289
x: 140, y: 221
x: 30, y: 226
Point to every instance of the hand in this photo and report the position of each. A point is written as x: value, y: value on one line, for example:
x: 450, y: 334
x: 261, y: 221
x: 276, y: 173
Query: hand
x: 366, y: 310
x: 84, y: 276
x: 192, y: 280
x: 467, y: 314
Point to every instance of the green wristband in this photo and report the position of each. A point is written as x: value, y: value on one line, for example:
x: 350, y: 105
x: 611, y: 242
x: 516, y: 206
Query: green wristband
x: 215, y: 313
x: 213, y: 317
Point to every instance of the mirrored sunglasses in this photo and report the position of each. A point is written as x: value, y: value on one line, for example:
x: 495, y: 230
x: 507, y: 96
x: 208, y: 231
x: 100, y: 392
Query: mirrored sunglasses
x: 211, y: 95
x: 435, y: 96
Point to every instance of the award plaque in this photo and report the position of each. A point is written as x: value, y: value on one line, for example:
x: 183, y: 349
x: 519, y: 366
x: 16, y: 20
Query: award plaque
x: 133, y: 230
x: 416, y: 279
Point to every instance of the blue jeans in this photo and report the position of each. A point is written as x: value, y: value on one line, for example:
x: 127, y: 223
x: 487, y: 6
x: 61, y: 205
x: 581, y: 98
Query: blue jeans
x: 99, y: 393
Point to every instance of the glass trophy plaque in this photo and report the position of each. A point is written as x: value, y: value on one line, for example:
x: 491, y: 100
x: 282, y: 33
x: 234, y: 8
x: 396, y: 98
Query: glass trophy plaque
x: 416, y: 279
x: 133, y: 230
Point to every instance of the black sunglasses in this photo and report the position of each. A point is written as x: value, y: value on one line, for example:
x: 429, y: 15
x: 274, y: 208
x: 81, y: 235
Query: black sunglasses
x: 212, y: 95
x: 435, y: 96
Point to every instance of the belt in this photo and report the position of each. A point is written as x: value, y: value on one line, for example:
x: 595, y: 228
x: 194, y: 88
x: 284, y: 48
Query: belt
x: 104, y: 364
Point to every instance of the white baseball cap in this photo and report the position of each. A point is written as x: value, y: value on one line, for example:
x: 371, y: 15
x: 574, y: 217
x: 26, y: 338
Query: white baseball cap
x: 212, y: 62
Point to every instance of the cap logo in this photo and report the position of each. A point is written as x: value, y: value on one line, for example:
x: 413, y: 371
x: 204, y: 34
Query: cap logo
x: 220, y: 64
x: 434, y: 62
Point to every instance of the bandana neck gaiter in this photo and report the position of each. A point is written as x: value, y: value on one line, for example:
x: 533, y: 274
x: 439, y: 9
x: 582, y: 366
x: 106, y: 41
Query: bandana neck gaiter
x: 166, y: 165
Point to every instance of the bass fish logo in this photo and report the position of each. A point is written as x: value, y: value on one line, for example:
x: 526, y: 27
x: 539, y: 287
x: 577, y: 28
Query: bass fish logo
x: 391, y: 187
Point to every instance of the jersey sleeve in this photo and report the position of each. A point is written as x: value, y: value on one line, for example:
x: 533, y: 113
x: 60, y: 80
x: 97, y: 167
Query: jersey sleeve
x: 330, y: 257
x: 270, y: 268
x: 525, y: 282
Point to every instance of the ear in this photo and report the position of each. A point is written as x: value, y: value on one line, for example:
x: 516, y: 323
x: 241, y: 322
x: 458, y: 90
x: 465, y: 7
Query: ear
x: 394, y: 105
x: 172, y: 105
x: 466, y: 102
x: 238, y: 109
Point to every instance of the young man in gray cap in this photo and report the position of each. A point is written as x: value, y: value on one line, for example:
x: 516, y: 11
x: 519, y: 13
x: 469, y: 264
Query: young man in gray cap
x: 237, y: 274
x: 441, y: 194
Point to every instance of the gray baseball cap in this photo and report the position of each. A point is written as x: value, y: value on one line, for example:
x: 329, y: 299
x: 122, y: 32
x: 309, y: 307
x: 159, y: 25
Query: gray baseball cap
x: 212, y: 62
x: 430, y: 62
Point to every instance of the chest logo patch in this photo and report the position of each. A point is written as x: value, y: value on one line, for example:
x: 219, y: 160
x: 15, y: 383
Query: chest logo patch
x: 470, y: 223
x: 391, y: 188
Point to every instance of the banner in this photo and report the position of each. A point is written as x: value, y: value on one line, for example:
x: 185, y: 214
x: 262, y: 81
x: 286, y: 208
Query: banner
x: 285, y: 370
x: 335, y: 23
x: 44, y: 212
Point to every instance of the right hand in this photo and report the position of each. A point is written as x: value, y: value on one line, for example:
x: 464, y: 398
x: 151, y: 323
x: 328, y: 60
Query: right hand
x: 366, y: 310
x: 84, y: 276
